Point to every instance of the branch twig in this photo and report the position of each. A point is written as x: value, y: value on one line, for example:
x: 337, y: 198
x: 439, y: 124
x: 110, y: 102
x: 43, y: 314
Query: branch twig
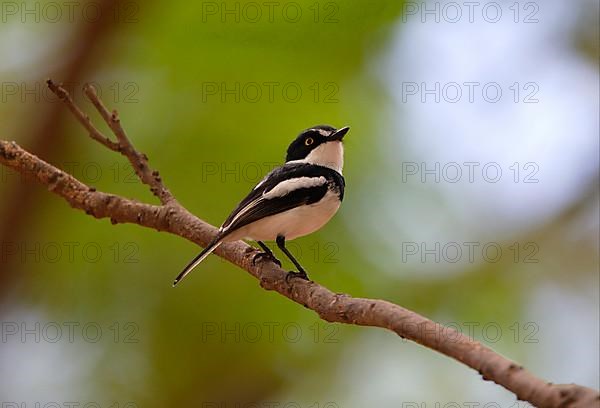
x: 46, y: 136
x: 138, y: 161
x: 332, y: 307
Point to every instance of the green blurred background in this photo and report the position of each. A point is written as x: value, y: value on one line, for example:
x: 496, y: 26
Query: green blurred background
x: 213, y: 92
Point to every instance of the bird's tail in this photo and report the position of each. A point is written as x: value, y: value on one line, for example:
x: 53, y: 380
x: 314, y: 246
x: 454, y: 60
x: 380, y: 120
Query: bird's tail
x: 196, y: 261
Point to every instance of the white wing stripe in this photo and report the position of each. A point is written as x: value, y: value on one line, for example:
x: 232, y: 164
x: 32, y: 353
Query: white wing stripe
x: 280, y: 190
x: 287, y: 186
x: 240, y: 213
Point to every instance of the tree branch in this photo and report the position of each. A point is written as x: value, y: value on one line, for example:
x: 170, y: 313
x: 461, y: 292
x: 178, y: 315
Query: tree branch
x: 46, y: 137
x: 332, y: 307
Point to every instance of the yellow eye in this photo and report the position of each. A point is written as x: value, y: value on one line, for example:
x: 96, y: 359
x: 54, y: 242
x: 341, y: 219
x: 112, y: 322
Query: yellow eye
x: 309, y: 141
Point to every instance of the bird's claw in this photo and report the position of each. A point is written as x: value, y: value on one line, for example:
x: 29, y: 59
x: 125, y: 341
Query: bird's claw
x: 293, y: 274
x: 265, y: 255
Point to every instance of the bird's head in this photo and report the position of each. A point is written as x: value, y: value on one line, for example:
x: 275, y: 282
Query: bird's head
x: 321, y: 145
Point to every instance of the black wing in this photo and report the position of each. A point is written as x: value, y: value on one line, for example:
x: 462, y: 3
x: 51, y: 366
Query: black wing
x: 256, y: 206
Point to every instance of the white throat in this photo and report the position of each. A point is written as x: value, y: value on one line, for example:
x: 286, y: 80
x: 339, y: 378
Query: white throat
x: 328, y: 154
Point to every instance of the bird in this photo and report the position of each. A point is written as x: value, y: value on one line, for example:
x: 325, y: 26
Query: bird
x: 291, y: 201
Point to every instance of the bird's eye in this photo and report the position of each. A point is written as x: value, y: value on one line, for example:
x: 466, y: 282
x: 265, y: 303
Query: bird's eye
x: 309, y: 141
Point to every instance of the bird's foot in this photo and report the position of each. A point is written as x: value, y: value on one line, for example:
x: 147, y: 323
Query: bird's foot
x: 293, y: 274
x: 265, y: 255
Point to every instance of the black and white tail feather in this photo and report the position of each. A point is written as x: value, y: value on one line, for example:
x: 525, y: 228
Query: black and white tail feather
x: 214, y: 244
x: 293, y: 200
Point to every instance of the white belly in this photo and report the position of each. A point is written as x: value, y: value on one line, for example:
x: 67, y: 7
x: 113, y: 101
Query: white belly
x: 293, y: 223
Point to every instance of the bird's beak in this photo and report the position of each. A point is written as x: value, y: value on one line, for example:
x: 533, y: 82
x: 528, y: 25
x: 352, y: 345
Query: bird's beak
x: 339, y: 134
